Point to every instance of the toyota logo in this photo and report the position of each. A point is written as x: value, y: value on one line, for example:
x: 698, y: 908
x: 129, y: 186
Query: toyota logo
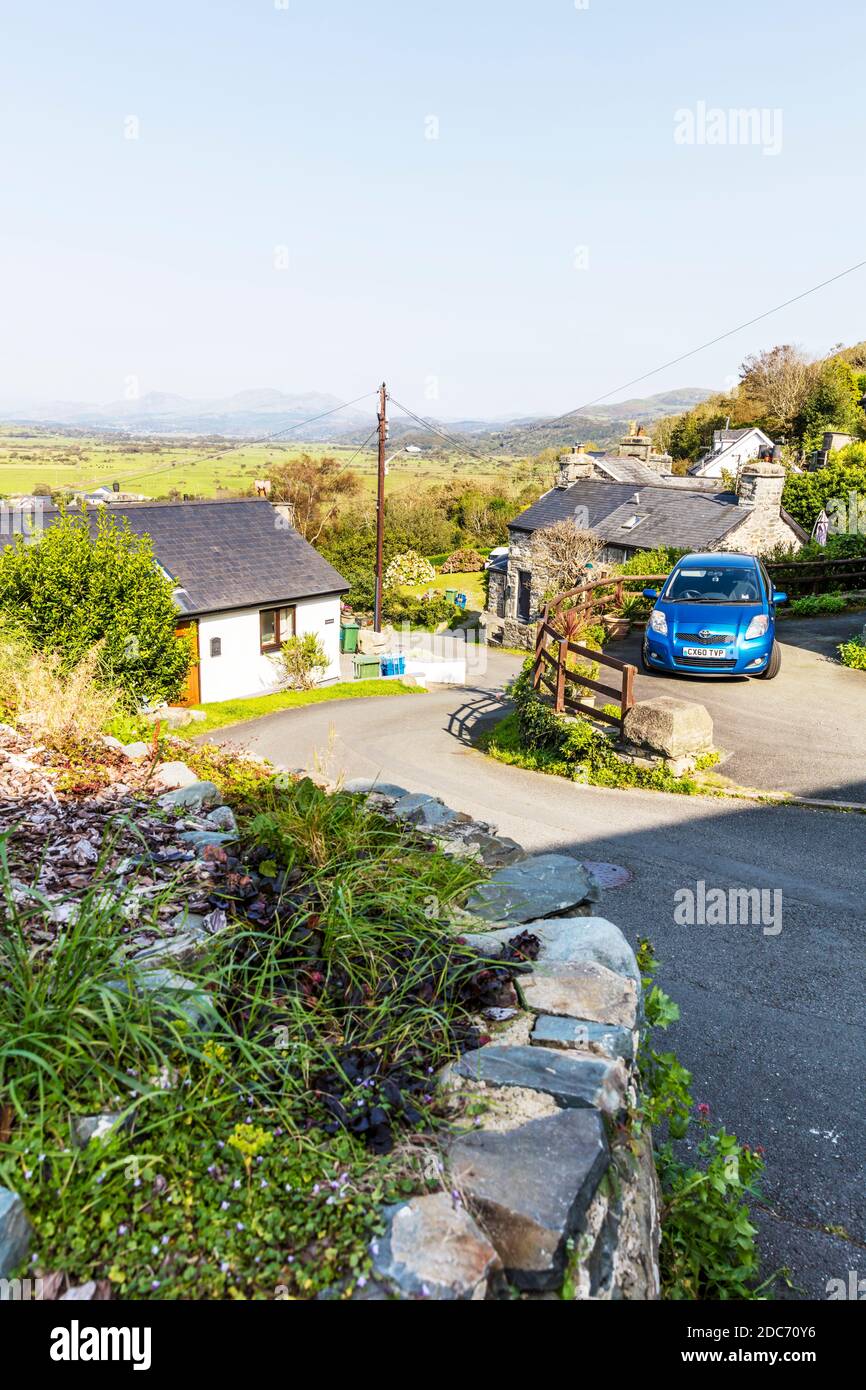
x: 704, y: 635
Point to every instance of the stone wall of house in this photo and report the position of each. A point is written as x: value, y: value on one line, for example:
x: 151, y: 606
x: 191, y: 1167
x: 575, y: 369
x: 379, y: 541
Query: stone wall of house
x: 763, y: 526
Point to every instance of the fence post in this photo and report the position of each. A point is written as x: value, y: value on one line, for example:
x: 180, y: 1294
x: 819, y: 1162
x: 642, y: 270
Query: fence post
x: 627, y: 698
x: 560, y: 675
x: 539, y: 644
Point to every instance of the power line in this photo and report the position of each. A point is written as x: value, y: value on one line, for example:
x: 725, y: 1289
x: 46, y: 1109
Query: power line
x: 635, y: 380
x: 250, y: 443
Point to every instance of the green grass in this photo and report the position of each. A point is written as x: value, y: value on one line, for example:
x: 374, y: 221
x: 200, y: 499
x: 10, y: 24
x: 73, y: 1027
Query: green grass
x: 223, y: 712
x: 30, y: 456
x: 472, y: 585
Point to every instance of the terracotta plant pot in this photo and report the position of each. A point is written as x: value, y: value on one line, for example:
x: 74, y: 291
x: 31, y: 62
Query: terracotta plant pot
x: 617, y: 628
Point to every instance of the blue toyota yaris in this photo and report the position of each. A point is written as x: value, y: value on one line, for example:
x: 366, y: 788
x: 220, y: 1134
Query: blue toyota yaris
x: 715, y: 616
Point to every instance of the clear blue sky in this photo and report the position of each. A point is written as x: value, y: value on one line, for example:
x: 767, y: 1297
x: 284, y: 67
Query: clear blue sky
x: 412, y: 258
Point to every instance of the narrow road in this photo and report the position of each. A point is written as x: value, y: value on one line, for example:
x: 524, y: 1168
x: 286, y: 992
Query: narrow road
x: 772, y: 1027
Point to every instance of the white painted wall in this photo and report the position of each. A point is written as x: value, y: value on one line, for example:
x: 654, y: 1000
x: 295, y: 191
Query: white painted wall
x: 241, y: 669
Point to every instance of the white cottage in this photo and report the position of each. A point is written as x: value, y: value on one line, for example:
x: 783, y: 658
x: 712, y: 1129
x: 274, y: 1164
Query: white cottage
x: 246, y: 580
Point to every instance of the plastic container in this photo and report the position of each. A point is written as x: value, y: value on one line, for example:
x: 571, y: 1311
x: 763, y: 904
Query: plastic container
x: 460, y: 600
x: 349, y: 637
x: 393, y: 665
x: 366, y: 667
x: 451, y: 595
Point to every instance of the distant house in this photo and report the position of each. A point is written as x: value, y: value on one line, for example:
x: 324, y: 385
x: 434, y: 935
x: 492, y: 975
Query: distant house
x: 729, y: 450
x: 681, y: 513
x: 245, y: 581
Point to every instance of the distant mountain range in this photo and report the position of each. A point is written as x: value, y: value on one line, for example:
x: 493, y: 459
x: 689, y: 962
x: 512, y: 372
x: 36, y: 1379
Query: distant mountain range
x: 265, y: 411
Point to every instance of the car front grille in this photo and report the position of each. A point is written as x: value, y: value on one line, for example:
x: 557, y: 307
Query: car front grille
x: 711, y: 639
x: 718, y: 663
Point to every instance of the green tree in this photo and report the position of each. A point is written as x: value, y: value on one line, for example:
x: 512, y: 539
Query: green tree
x: 71, y: 588
x: 829, y: 488
x: 832, y: 404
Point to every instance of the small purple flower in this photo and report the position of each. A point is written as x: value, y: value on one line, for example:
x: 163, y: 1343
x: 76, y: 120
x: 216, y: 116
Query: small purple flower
x: 224, y: 1206
x: 122, y: 1230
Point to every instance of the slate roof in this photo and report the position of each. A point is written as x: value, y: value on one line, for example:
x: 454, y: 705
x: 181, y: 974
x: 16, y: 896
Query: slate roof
x: 223, y: 555
x: 624, y: 470
x: 673, y: 516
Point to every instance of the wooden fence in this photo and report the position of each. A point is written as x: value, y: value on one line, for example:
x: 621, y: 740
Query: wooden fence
x: 799, y: 577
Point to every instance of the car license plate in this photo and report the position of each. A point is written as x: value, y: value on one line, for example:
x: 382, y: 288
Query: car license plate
x: 704, y: 651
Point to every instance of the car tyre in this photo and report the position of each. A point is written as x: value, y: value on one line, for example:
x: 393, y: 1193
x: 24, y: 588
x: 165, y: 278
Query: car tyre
x: 774, y: 664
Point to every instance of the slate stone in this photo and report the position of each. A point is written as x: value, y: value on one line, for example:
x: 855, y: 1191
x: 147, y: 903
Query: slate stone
x: 197, y: 794
x: 200, y: 839
x: 223, y: 818
x: 565, y: 939
x: 581, y: 989
x: 363, y: 785
x: 424, y: 811
x: 574, y: 1081
x: 174, y: 990
x: 15, y: 1231
x: 182, y: 949
x: 542, y: 885
x: 583, y: 1035
x: 531, y: 1187
x: 85, y: 1128
x: 432, y: 1248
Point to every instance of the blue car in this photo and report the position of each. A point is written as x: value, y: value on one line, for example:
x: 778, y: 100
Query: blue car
x: 715, y: 616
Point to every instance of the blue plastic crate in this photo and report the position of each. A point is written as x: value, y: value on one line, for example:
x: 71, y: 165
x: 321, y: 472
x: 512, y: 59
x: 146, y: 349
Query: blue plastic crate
x: 393, y: 665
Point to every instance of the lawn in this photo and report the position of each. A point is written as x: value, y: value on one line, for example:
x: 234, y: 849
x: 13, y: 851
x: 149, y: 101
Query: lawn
x: 472, y: 585
x: 223, y: 712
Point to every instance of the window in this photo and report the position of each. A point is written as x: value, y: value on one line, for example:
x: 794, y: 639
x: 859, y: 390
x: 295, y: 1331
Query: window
x: 276, y: 626
x: 633, y: 521
x: 216, y: 646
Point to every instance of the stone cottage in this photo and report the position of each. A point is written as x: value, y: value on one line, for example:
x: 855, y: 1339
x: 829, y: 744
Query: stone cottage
x: 629, y: 516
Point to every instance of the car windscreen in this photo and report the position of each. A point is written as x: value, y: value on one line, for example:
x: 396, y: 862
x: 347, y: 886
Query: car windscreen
x: 713, y: 584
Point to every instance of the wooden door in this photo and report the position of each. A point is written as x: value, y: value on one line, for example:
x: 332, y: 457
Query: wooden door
x: 191, y: 693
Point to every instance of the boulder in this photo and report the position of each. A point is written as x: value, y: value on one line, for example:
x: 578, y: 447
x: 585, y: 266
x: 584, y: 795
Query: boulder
x: 669, y: 726
x: 574, y: 1082
x: 531, y: 1187
x: 565, y: 939
x: 135, y: 751
x: 432, y: 1248
x: 191, y: 797
x: 223, y: 818
x: 15, y: 1231
x: 170, y: 777
x: 542, y: 885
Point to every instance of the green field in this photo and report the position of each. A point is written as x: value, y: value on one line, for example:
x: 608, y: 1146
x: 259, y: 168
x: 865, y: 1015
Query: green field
x: 472, y: 585
x: 203, y: 467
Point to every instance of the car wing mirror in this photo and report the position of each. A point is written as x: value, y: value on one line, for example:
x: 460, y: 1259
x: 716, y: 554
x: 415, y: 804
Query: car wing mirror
x: 650, y: 593
x: 779, y: 596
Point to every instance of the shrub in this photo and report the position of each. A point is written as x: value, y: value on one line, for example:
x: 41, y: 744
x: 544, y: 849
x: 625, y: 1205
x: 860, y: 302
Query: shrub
x: 72, y: 589
x: 658, y: 561
x: 304, y: 660
x: 853, y: 653
x: 409, y: 568
x: 421, y: 612
x: 65, y: 709
x: 811, y: 605
x: 464, y: 562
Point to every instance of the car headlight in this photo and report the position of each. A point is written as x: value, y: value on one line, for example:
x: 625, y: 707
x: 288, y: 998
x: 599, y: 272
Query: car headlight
x: 758, y: 626
x: 658, y: 622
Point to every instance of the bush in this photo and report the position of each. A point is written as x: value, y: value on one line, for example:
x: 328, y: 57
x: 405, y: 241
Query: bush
x: 811, y: 605
x: 72, y: 589
x: 420, y: 612
x: 409, y: 568
x: 853, y: 653
x: 464, y: 562
x: 64, y: 709
x: 658, y: 561
x: 304, y: 660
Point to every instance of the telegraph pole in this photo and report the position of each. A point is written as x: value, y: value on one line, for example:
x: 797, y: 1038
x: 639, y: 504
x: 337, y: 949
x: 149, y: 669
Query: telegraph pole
x: 380, y: 506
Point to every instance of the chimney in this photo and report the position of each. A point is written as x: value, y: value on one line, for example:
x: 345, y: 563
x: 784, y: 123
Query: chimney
x: 760, y: 485
x: 573, y: 466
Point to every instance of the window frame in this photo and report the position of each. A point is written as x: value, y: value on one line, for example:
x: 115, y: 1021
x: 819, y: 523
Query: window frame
x: 281, y: 636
